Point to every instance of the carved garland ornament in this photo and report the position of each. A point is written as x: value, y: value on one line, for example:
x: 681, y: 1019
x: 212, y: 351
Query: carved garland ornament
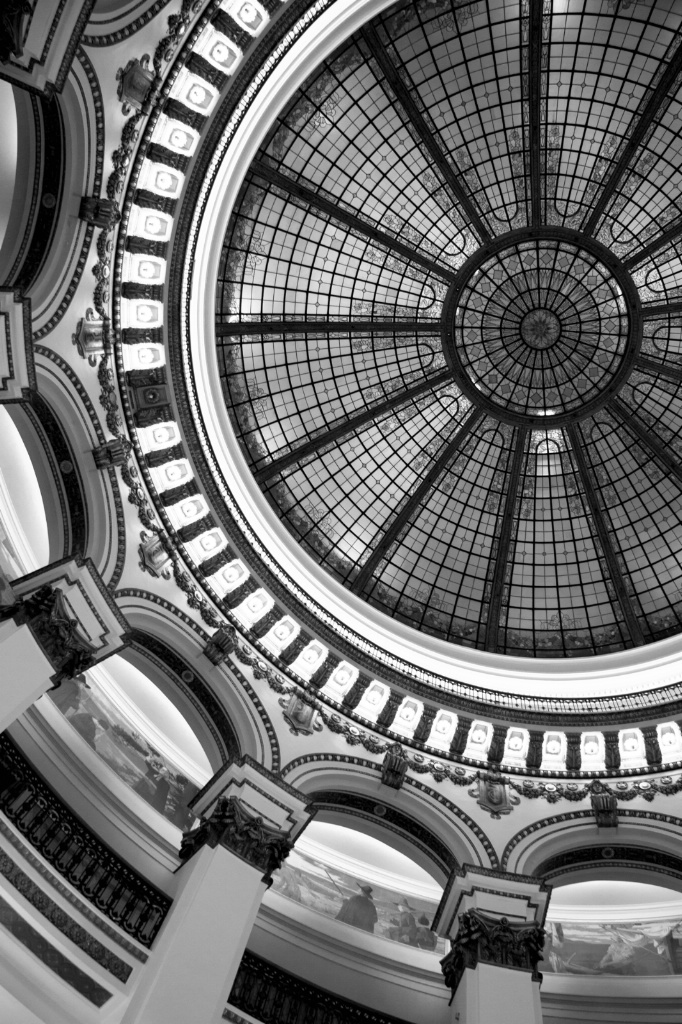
x: 245, y: 834
x: 492, y: 940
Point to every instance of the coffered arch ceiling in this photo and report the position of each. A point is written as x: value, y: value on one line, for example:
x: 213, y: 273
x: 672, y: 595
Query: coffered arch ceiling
x: 449, y: 326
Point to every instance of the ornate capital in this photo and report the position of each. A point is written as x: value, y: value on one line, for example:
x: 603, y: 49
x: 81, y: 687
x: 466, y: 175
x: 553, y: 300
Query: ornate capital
x: 245, y: 834
x: 47, y: 615
x: 394, y: 766
x: 493, y: 940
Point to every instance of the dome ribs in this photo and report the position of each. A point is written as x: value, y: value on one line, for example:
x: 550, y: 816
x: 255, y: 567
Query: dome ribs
x: 661, y: 369
x: 650, y: 110
x: 426, y: 131
x: 501, y: 557
x: 416, y: 499
x: 649, y: 441
x: 602, y: 534
x: 327, y: 327
x: 299, y: 189
x: 536, y: 70
x: 656, y: 309
x: 670, y: 234
x: 351, y: 425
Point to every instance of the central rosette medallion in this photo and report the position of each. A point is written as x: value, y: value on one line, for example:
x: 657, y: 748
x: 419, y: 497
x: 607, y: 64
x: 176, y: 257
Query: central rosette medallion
x: 540, y: 324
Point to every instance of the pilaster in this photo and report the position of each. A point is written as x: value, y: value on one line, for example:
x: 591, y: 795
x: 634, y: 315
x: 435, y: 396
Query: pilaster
x: 249, y: 820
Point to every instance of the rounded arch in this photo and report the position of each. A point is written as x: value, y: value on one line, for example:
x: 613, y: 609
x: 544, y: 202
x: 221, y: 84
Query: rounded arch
x: 423, y: 824
x: 31, y: 433
x: 81, y: 114
x: 188, y: 692
x: 74, y: 433
x: 226, y: 696
x: 570, y: 848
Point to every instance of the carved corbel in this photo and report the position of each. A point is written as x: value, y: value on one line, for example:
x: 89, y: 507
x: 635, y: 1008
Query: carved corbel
x: 604, y: 805
x: 220, y: 645
x: 394, y: 767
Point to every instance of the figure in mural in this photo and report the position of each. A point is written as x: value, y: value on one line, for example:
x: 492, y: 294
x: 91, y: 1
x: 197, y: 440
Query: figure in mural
x: 89, y: 727
x: 404, y: 927
x: 632, y: 949
x: 359, y: 910
x: 426, y: 939
x: 68, y: 696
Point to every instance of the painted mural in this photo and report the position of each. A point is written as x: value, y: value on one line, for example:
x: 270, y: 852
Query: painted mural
x: 391, y: 915
x: 623, y: 948
x: 118, y: 741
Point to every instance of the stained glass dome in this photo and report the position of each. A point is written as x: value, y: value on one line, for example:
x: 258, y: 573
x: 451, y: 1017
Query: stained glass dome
x: 449, y: 323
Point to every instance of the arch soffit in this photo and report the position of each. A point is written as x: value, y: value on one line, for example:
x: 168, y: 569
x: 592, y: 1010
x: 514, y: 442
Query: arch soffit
x: 82, y: 118
x: 160, y: 621
x: 78, y: 421
x: 49, y: 482
x: 165, y: 671
x: 357, y: 780
x: 568, y: 848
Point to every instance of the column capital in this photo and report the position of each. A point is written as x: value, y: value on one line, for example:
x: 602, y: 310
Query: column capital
x: 486, y: 939
x: 70, y: 613
x: 493, y: 893
x: 250, y: 811
x: 493, y: 919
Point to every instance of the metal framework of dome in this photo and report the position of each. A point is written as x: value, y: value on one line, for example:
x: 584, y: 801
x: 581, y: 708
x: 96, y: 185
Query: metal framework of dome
x: 449, y: 321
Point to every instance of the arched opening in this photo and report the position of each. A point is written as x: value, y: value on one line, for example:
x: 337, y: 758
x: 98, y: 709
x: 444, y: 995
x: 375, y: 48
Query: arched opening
x: 8, y: 154
x: 614, y: 927
x: 347, y: 874
x: 139, y: 733
x: 25, y: 535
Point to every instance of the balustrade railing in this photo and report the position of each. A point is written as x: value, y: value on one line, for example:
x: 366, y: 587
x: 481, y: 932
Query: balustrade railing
x: 274, y: 996
x: 94, y: 870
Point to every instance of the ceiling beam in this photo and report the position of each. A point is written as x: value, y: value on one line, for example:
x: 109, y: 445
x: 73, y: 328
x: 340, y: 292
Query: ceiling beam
x: 425, y: 130
x: 649, y: 442
x: 673, y: 373
x: 608, y: 551
x: 665, y: 238
x: 307, y: 193
x: 535, y: 72
x: 342, y: 428
x: 661, y: 309
x: 634, y: 140
x: 416, y: 499
x: 240, y: 327
x: 504, y: 528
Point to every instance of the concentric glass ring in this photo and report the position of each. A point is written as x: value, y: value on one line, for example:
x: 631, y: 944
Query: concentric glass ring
x: 541, y: 327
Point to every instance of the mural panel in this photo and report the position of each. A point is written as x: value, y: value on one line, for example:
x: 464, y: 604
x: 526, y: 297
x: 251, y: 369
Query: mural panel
x: 395, y: 916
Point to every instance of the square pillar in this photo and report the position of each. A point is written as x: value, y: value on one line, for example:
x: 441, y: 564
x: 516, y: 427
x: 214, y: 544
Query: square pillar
x: 494, y: 921
x: 249, y: 820
x: 62, y: 621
